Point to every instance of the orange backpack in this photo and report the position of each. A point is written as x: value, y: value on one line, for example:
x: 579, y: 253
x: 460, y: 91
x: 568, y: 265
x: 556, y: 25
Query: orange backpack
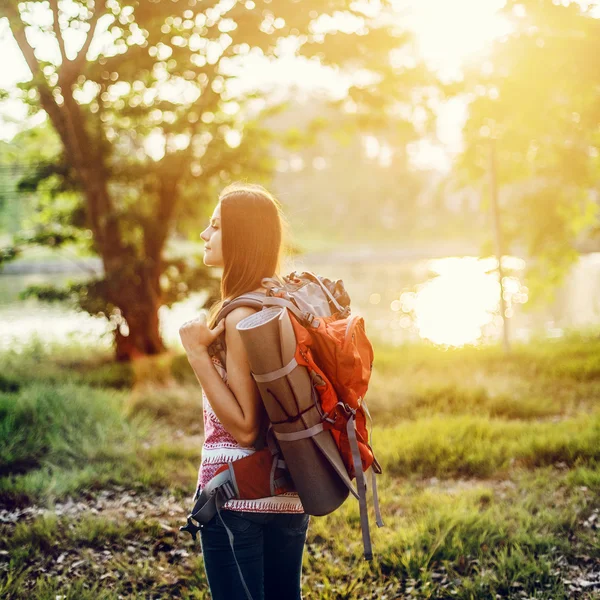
x: 333, y: 347
x: 340, y: 353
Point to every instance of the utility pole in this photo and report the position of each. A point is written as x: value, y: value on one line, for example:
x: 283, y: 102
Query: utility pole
x: 498, y: 240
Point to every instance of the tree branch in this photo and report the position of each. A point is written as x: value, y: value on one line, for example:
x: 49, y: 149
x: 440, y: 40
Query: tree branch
x: 57, y: 31
x: 76, y: 65
x: 17, y: 28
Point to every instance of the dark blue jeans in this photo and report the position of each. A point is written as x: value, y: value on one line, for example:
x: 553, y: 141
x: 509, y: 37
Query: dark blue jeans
x: 268, y: 548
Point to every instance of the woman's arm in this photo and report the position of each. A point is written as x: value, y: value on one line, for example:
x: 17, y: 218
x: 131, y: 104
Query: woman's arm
x: 239, y: 406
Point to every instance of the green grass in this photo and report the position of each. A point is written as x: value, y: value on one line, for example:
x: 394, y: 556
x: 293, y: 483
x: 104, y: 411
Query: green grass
x: 58, y: 439
x: 475, y: 541
x: 540, y: 380
x: 472, y: 446
x: 53, y: 363
x: 59, y: 425
x: 491, y: 480
x: 484, y: 536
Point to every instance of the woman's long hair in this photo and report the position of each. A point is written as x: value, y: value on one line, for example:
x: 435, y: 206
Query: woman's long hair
x: 252, y: 236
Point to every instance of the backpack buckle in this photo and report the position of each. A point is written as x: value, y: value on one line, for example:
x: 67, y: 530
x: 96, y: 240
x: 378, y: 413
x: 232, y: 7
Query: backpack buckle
x: 310, y: 320
x: 190, y: 527
x: 326, y: 417
x: 228, y: 491
x: 347, y: 408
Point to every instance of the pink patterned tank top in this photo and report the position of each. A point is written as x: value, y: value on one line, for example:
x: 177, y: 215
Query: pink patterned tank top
x: 220, y: 447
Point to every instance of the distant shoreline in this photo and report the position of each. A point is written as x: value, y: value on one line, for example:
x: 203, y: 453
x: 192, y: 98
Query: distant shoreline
x: 361, y: 253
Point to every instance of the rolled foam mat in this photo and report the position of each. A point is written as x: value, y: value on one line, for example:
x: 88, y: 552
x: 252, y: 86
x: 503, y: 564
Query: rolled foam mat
x: 314, y: 463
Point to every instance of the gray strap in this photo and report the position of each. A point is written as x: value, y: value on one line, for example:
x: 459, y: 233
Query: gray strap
x: 205, y: 507
x: 326, y: 290
x: 230, y: 537
x: 252, y: 299
x: 216, y: 482
x: 366, y: 409
x: 274, y: 301
x: 233, y: 480
x: 281, y: 481
x: 361, y: 488
x: 378, y: 518
x: 273, y: 282
x: 277, y: 374
x: 299, y: 435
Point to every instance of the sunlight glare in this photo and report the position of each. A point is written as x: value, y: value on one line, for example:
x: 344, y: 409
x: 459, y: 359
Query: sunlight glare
x: 457, y: 305
x: 449, y: 33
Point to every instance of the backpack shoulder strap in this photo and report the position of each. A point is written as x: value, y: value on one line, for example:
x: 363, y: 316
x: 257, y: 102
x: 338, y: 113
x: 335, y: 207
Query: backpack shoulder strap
x: 252, y: 299
x: 219, y: 346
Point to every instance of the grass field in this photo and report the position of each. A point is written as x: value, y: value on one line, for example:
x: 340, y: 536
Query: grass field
x: 491, y: 484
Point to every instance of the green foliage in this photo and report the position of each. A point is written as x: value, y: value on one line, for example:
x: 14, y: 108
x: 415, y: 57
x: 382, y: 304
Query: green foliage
x: 460, y: 539
x: 536, y: 100
x: 28, y: 150
x: 153, y: 127
x: 7, y: 254
x: 380, y: 199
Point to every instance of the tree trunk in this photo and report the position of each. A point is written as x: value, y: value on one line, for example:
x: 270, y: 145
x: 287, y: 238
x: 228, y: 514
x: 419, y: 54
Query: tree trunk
x: 137, y: 294
x: 143, y: 338
x: 131, y: 275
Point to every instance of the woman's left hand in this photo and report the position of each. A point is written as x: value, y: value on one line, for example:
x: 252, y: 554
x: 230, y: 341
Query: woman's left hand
x: 196, y: 336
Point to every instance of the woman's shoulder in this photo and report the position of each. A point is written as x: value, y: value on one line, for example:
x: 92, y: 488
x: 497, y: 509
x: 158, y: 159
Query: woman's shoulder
x: 239, y: 313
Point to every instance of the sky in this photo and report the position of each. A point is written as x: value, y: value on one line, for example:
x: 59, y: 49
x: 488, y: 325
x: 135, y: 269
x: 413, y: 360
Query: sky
x: 448, y: 33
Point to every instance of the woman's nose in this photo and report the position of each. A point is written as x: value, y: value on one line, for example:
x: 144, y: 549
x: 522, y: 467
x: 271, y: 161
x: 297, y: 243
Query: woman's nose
x: 204, y: 236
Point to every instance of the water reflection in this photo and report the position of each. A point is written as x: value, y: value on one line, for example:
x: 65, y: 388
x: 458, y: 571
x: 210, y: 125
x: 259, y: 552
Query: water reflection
x: 19, y: 323
x: 449, y: 301
x: 459, y: 304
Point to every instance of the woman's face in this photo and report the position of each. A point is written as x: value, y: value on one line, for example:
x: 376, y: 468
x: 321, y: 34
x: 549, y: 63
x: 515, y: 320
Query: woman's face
x: 213, y: 250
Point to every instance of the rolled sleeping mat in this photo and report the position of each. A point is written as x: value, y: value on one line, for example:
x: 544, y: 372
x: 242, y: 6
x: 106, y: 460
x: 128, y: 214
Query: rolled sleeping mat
x: 314, y: 463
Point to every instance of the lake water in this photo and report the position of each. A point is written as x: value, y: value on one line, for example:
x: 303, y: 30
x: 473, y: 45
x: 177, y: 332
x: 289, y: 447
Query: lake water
x: 449, y: 301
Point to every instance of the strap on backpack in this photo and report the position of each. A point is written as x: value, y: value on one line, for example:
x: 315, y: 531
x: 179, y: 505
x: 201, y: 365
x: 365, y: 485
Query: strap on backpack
x: 259, y: 301
x: 221, y: 488
x: 219, y: 346
x: 361, y: 484
x: 216, y: 492
x: 209, y: 502
x: 345, y: 310
x: 375, y: 468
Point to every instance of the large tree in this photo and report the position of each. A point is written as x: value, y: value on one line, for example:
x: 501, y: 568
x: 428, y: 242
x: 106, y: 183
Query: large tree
x: 536, y: 107
x: 143, y: 97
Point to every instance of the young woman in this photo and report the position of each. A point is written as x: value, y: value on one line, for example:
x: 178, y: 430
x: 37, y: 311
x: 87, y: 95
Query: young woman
x: 244, y: 237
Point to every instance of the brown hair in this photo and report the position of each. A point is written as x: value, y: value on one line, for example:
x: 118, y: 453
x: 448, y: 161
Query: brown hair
x: 253, y: 227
